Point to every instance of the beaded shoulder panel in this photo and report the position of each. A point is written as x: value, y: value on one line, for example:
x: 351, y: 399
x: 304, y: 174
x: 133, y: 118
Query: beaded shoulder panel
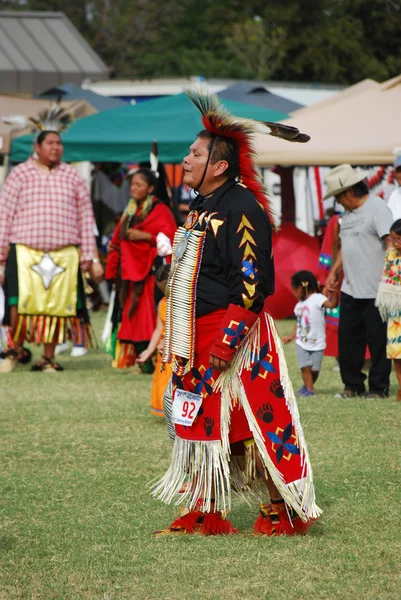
x: 188, y: 246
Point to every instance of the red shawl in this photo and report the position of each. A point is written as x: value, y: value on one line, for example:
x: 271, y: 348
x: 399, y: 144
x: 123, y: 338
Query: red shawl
x: 137, y: 258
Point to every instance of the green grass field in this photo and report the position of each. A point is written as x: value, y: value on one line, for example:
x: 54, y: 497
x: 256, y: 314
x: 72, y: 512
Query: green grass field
x: 78, y: 449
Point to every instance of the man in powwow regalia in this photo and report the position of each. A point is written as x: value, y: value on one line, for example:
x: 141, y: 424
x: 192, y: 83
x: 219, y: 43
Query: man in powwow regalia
x: 235, y: 417
x: 46, y: 239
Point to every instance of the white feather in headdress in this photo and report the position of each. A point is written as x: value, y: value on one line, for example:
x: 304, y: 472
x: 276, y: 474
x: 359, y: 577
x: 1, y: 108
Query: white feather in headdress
x: 55, y: 118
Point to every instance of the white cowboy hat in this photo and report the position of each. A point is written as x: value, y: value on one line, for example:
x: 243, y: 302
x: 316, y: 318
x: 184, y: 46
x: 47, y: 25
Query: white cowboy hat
x: 341, y: 178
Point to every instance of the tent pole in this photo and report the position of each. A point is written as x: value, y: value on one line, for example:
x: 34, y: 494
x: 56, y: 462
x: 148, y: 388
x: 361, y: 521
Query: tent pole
x: 287, y: 194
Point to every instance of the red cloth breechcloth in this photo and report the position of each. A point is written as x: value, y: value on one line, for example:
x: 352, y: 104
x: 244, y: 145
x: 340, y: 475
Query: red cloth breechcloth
x: 207, y: 327
x: 264, y: 392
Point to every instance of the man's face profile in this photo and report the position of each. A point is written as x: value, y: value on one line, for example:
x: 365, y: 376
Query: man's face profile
x: 195, y: 163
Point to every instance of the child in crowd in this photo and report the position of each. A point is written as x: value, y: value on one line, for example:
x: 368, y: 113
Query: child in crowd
x: 309, y: 331
x: 160, y: 378
x: 388, y: 299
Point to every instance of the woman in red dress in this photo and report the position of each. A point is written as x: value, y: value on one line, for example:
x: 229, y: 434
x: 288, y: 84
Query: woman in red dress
x: 132, y: 255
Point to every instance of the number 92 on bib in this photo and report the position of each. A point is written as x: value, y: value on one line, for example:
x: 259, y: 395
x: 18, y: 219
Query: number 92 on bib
x: 185, y: 407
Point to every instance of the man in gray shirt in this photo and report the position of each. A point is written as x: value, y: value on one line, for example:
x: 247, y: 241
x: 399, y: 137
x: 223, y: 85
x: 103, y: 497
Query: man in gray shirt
x: 364, y: 230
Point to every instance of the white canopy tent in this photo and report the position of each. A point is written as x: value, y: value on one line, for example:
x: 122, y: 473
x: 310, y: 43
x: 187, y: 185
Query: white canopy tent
x: 361, y: 128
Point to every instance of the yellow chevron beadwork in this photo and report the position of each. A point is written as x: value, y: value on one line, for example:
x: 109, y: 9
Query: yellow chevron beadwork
x: 245, y: 223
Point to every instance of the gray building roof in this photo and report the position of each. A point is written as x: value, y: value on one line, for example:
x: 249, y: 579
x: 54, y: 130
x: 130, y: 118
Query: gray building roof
x: 71, y: 91
x: 256, y: 93
x: 39, y: 50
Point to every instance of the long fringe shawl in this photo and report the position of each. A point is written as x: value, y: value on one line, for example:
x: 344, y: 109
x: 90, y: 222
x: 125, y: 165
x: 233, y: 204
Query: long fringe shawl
x: 299, y: 495
x: 388, y: 300
x: 207, y: 465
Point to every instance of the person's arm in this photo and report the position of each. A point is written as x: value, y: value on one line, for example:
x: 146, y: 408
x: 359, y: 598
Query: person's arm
x: 160, y: 220
x: 96, y: 269
x: 245, y: 243
x: 8, y: 206
x: 335, y: 272
x: 154, y: 341
x: 382, y: 221
x: 331, y: 302
x: 136, y: 235
x: 291, y: 337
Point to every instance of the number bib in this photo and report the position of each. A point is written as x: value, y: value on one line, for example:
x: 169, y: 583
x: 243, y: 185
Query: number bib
x: 185, y: 407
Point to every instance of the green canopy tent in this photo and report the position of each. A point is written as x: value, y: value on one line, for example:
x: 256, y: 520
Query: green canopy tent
x: 125, y: 134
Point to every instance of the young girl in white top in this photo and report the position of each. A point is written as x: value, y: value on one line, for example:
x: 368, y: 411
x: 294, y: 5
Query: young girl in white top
x: 309, y: 332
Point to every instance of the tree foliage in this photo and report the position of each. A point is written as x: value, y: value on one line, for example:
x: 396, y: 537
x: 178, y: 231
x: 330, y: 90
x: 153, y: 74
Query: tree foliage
x: 327, y: 41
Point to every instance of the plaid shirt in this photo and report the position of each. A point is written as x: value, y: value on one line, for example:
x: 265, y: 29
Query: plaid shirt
x: 46, y: 211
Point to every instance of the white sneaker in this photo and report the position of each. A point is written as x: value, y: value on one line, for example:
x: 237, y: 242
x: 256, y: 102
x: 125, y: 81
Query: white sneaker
x: 78, y: 351
x: 60, y: 348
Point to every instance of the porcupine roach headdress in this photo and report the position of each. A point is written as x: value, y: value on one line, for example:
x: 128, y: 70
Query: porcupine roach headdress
x: 55, y: 118
x: 218, y: 121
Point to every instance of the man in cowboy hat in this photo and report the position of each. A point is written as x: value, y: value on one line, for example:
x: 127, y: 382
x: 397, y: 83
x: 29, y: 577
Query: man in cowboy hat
x: 364, y: 230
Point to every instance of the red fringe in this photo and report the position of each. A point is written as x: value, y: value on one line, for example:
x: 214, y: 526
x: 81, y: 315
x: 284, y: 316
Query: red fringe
x: 189, y: 523
x: 33, y: 329
x: 39, y: 329
x: 127, y: 356
x: 264, y: 526
x: 82, y: 333
x: 9, y: 338
x: 205, y: 523
x: 214, y: 524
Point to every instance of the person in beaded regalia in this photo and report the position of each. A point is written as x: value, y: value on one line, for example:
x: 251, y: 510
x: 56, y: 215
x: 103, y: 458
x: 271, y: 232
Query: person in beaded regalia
x: 235, y: 417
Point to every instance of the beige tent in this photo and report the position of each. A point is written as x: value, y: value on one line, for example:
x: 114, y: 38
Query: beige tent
x: 352, y: 90
x: 14, y: 107
x: 362, y: 128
